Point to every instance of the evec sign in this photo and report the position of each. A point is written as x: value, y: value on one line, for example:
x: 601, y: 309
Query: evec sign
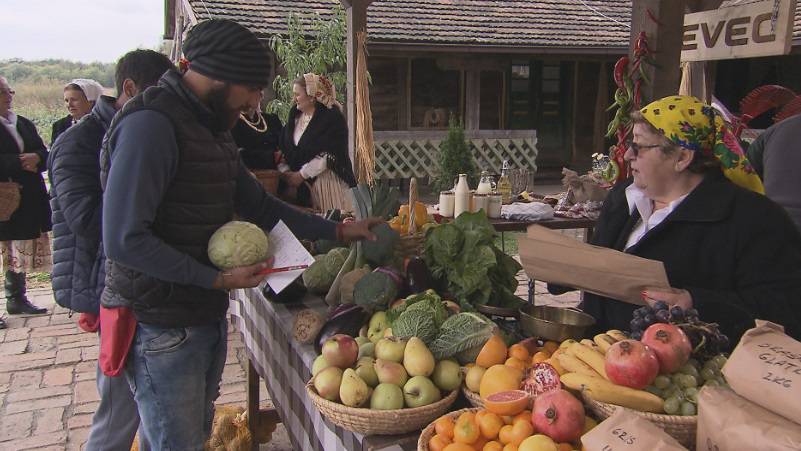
x: 760, y: 28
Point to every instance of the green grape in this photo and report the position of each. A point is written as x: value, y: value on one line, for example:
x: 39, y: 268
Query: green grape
x: 672, y: 406
x: 654, y: 390
x: 662, y: 382
x: 689, y: 370
x: 712, y: 383
x: 708, y: 374
x: 720, y: 360
x: 687, y: 408
x: 691, y: 394
x: 710, y: 364
x: 688, y: 381
x: 676, y: 378
x: 694, y: 363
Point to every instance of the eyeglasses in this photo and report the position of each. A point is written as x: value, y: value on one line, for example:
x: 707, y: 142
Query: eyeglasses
x: 7, y: 91
x: 636, y: 148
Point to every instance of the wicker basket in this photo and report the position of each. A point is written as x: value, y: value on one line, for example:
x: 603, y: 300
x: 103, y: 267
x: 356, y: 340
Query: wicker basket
x: 380, y: 422
x: 411, y: 244
x: 268, y: 178
x: 9, y: 199
x: 473, y: 398
x: 682, y: 428
x: 428, y: 432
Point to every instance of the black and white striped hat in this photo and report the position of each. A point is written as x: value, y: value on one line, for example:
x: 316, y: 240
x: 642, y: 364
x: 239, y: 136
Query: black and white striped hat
x: 225, y: 50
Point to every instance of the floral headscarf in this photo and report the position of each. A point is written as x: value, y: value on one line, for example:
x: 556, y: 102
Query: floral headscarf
x: 689, y: 123
x: 321, y: 89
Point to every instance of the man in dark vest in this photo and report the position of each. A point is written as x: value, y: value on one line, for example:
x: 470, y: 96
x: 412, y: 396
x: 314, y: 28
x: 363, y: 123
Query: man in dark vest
x: 172, y: 176
x: 76, y: 199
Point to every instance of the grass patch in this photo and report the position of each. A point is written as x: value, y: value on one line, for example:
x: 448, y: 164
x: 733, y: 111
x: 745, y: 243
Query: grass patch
x: 507, y: 242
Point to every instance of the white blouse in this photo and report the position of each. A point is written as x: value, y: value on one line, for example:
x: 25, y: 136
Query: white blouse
x: 318, y: 164
x: 10, y: 123
x: 649, y: 218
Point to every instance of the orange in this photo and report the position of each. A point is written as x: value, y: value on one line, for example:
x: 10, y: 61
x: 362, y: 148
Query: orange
x: 519, y: 352
x: 493, y: 446
x: 520, y: 431
x: 458, y: 447
x: 539, y: 357
x: 510, y: 447
x: 490, y: 425
x: 522, y: 416
x: 478, y: 445
x: 438, y: 442
x: 466, y: 430
x: 550, y: 347
x: 505, y: 434
x: 507, y: 419
x: 564, y: 447
x: 514, y: 362
x: 500, y: 378
x: 510, y: 402
x: 538, y: 442
x: 492, y: 353
x: 444, y: 426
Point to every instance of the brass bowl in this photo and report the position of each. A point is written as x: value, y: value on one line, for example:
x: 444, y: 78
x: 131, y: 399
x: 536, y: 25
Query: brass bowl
x: 553, y: 323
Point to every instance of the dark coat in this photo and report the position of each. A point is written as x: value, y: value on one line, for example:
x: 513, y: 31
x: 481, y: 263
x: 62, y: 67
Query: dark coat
x: 327, y: 133
x: 735, y: 251
x: 77, y: 199
x: 33, y: 215
x: 59, y: 127
x: 256, y: 148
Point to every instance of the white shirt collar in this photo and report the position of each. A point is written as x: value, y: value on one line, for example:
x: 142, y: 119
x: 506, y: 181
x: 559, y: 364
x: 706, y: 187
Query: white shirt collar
x: 649, y: 219
x: 10, y: 123
x: 10, y: 120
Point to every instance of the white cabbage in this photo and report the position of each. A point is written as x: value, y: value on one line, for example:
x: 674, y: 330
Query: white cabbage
x: 236, y: 244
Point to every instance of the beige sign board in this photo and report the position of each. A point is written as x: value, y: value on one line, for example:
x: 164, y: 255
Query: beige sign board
x: 747, y: 31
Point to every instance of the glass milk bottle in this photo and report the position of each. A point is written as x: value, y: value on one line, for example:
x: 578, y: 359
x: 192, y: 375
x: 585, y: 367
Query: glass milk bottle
x: 484, y: 184
x: 504, y: 186
x: 461, y: 196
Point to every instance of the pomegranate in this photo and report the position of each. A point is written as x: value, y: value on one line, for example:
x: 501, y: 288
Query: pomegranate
x: 670, y: 344
x: 559, y: 415
x: 540, y: 378
x: 631, y: 363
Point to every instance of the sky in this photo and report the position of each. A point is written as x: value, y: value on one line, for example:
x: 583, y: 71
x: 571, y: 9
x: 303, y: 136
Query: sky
x: 79, y: 30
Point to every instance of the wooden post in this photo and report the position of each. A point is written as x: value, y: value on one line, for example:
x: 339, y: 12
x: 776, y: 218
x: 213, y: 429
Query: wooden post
x: 357, y: 21
x: 706, y: 82
x: 663, y: 23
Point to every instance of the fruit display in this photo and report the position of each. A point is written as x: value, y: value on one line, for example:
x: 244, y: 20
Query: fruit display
x: 488, y: 430
x: 392, y: 373
x: 706, y: 339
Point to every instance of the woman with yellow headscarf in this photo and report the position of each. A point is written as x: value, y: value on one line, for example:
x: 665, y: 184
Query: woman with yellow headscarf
x: 694, y: 203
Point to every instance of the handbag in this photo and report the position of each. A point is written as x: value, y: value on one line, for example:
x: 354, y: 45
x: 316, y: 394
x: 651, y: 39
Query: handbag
x: 9, y: 199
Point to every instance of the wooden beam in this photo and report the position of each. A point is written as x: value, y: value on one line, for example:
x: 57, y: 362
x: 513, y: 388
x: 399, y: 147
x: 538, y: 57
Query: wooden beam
x: 663, y: 22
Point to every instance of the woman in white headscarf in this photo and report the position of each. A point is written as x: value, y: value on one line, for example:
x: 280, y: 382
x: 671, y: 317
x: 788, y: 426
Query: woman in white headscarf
x: 80, y: 96
x: 315, y: 146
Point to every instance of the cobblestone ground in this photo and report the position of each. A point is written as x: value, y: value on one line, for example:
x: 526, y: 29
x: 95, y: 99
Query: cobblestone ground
x: 47, y: 380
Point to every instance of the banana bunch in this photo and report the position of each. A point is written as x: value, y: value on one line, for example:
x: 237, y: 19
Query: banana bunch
x: 606, y: 340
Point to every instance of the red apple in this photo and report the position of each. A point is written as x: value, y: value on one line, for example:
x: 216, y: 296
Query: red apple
x: 341, y: 351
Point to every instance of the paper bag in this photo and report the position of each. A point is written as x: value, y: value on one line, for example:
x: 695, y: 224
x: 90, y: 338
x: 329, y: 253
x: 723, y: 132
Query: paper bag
x: 555, y: 258
x: 765, y: 368
x: 727, y: 421
x: 627, y: 431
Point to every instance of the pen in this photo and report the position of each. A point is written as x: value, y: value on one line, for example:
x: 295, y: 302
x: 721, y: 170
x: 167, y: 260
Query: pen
x: 282, y: 269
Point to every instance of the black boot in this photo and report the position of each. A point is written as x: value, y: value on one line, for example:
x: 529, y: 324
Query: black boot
x: 16, y: 302
x: 3, y: 324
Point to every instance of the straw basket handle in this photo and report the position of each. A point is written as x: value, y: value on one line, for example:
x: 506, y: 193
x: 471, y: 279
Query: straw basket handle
x: 412, y: 204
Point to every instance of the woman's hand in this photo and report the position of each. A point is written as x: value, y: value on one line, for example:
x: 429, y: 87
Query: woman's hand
x: 294, y: 179
x: 29, y: 161
x: 670, y: 296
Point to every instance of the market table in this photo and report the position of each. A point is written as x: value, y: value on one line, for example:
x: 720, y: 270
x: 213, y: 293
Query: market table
x: 285, y: 365
x: 557, y: 223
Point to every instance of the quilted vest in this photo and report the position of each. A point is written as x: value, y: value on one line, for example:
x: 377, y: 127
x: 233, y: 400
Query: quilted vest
x: 198, y: 201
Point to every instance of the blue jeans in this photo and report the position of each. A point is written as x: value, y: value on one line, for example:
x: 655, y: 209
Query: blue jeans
x: 116, y: 418
x: 175, y: 377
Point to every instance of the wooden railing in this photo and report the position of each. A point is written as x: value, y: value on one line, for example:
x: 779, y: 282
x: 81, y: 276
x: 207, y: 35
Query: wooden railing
x: 400, y: 154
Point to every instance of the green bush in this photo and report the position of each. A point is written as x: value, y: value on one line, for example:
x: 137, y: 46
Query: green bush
x: 455, y: 158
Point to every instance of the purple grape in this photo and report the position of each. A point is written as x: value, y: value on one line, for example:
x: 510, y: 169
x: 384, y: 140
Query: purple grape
x: 676, y: 313
x: 637, y: 325
x: 660, y: 305
x: 662, y: 316
x: 636, y: 335
x: 648, y: 319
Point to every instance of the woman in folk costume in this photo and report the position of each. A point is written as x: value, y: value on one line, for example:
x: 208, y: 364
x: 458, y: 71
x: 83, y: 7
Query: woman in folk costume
x: 315, y: 147
x: 24, y: 244
x: 80, y: 96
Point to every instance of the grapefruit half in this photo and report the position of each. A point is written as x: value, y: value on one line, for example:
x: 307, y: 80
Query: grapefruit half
x: 509, y: 402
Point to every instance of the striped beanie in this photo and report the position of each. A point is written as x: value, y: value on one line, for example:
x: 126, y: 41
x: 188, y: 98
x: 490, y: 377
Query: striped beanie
x: 226, y: 51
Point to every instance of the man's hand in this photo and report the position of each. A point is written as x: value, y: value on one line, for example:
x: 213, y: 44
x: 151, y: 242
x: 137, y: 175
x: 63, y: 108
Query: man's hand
x: 242, y: 277
x: 670, y: 296
x: 359, y: 230
x: 29, y: 161
x: 294, y: 179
